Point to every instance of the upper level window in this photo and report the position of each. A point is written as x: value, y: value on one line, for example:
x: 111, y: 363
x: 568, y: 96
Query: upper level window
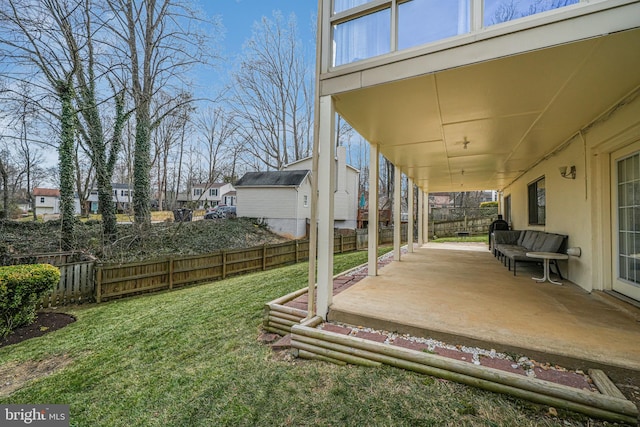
x: 498, y: 11
x: 362, y: 38
x: 425, y: 21
x: 537, y: 202
x: 213, y: 192
x: 41, y: 199
x: 342, y: 5
x: 197, y: 191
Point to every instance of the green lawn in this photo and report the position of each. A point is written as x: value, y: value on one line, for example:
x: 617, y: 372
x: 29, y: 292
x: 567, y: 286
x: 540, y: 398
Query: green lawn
x: 191, y: 357
x: 483, y: 238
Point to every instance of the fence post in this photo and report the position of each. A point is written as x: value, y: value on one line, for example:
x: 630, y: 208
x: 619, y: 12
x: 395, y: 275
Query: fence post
x: 170, y: 260
x: 297, y: 248
x: 341, y: 243
x: 98, y: 283
x: 224, y: 264
x: 264, y: 257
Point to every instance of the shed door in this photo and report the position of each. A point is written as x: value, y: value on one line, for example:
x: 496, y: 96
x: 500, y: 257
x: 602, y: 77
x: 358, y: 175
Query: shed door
x: 625, y: 191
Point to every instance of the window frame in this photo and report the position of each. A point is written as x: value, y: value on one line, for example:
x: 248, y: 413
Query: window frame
x: 533, y: 196
x: 506, y: 211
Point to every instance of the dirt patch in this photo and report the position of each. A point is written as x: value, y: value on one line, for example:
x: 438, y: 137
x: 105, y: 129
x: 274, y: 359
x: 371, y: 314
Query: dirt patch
x: 14, y: 375
x: 45, y: 322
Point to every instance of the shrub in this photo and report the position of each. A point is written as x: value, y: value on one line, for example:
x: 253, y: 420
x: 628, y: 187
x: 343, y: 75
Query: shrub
x: 21, y: 287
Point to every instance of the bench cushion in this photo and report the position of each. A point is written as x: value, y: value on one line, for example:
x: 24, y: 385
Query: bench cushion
x: 549, y: 243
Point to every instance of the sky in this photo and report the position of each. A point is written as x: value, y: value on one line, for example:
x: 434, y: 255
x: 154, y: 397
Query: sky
x: 239, y: 16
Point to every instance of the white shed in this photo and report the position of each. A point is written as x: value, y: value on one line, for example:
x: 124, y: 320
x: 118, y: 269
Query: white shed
x: 281, y: 198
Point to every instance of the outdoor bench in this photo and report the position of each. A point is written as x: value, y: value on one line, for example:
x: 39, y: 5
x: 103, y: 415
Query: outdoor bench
x: 513, y: 245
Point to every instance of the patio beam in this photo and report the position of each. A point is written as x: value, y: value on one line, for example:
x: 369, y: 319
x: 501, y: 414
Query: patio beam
x: 410, y: 215
x: 326, y: 188
x: 420, y: 217
x: 397, y: 222
x: 373, y: 219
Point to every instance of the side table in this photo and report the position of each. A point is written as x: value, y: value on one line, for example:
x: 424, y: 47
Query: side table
x: 546, y: 257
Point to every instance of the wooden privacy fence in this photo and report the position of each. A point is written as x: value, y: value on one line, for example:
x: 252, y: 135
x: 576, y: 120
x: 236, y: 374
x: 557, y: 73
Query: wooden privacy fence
x: 126, y: 279
x: 119, y: 280
x: 76, y: 283
x: 87, y: 281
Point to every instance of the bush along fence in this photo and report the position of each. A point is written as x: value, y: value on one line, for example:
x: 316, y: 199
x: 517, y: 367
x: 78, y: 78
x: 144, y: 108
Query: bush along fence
x: 76, y: 284
x: 87, y: 280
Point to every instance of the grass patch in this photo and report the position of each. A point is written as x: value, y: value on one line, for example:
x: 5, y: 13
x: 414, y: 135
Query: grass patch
x: 481, y: 238
x: 191, y: 358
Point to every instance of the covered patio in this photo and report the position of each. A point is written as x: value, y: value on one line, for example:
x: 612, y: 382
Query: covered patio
x: 463, y: 295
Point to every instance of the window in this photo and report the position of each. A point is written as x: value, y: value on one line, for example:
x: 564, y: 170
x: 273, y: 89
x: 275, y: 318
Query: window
x: 124, y: 193
x: 537, y: 202
x: 507, y: 209
x: 213, y: 191
x: 305, y: 201
x: 629, y: 218
x: 342, y: 5
x: 197, y: 191
x: 41, y: 199
x: 498, y: 11
x: 363, y: 37
x: 425, y: 21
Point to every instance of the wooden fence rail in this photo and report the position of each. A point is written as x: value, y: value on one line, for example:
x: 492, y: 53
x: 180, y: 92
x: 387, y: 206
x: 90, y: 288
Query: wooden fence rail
x: 90, y: 281
x: 118, y: 280
x: 76, y: 285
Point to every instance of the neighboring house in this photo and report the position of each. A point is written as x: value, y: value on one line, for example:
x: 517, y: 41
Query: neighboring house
x: 544, y: 108
x: 230, y: 198
x: 122, y: 197
x: 282, y: 198
x: 207, y: 195
x: 47, y: 200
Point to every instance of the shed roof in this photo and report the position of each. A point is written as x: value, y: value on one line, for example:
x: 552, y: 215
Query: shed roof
x: 273, y: 179
x: 49, y: 192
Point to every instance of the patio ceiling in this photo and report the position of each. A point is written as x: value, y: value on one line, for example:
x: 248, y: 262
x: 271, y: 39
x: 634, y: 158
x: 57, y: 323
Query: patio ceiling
x: 512, y: 111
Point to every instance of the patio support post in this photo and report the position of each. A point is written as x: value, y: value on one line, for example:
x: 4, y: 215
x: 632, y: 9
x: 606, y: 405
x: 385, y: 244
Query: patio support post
x: 397, y: 222
x: 410, y: 216
x: 326, y: 188
x: 373, y: 220
x: 420, y: 217
x: 425, y: 217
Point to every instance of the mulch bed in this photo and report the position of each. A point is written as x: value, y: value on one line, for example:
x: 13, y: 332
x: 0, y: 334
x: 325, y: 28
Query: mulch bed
x: 45, y: 322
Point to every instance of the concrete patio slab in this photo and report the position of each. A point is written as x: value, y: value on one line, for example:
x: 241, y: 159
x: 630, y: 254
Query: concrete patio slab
x: 462, y: 294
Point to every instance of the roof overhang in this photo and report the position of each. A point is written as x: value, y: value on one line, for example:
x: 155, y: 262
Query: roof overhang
x: 478, y: 114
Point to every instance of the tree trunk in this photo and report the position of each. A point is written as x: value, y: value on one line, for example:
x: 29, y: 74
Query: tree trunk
x: 142, y: 169
x: 66, y: 155
x: 4, y: 213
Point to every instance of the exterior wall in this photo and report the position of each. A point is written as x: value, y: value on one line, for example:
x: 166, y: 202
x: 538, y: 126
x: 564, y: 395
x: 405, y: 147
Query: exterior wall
x: 581, y: 208
x: 346, y: 199
x: 283, y: 208
x: 50, y: 205
x: 289, y: 228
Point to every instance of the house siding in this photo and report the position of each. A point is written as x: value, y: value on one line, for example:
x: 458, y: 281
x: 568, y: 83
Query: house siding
x: 581, y: 208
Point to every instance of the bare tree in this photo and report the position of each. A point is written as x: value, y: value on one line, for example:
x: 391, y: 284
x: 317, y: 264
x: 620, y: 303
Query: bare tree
x: 32, y: 42
x: 160, y: 45
x: 168, y: 132
x: 271, y: 96
x: 216, y: 131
